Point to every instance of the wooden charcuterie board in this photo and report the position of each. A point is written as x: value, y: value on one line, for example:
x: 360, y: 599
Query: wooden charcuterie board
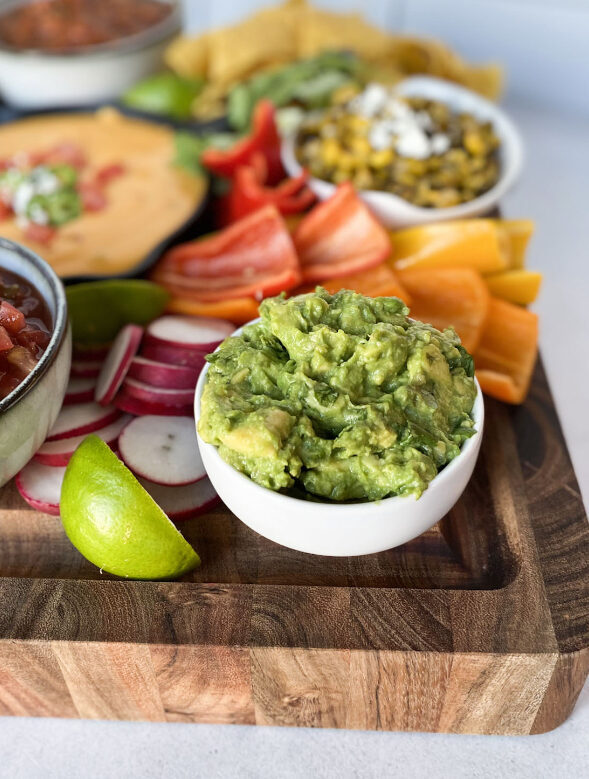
x: 480, y: 625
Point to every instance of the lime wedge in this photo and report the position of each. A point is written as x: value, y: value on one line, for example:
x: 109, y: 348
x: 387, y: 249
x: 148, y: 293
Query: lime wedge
x: 99, y: 309
x: 114, y: 523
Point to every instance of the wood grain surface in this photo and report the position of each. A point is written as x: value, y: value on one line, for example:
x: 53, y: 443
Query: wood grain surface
x: 481, y: 625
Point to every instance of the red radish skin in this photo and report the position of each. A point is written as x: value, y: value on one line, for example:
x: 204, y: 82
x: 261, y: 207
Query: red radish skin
x: 140, y: 408
x: 58, y: 453
x: 181, y: 503
x: 174, y: 355
x: 163, y: 450
x: 88, y: 370
x: 202, y: 334
x: 81, y: 419
x: 79, y: 390
x: 117, y: 363
x: 161, y: 374
x: 40, y: 486
x: 151, y: 394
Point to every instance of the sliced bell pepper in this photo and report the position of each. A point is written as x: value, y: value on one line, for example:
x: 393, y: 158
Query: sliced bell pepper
x: 377, y: 282
x: 506, y: 354
x: 254, y: 257
x: 263, y: 138
x: 237, y: 310
x: 471, y: 243
x: 446, y: 297
x: 339, y: 237
x: 517, y: 233
x: 516, y: 286
x: 250, y: 191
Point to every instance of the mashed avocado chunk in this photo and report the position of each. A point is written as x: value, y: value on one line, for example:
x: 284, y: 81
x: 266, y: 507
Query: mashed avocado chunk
x: 340, y: 395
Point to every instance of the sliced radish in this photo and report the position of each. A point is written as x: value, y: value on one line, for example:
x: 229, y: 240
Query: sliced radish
x: 81, y: 419
x: 116, y: 365
x: 182, y: 502
x: 174, y: 355
x: 189, y: 332
x: 40, y: 486
x: 90, y: 353
x: 88, y: 369
x: 58, y: 453
x: 79, y: 390
x: 141, y: 408
x: 162, y: 449
x: 151, y: 394
x: 161, y: 374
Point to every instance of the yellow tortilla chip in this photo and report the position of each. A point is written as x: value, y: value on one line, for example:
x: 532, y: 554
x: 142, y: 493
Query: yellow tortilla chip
x: 188, y: 57
x: 266, y: 37
x: 320, y: 30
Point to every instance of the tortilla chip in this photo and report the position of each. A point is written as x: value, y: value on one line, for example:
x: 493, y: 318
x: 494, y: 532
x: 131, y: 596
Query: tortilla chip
x: 320, y: 30
x: 188, y: 57
x: 267, y: 37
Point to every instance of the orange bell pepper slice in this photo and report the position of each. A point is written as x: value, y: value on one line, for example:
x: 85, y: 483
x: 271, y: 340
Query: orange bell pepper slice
x: 377, y: 282
x: 449, y: 297
x: 506, y: 354
x: 470, y: 243
x: 237, y: 310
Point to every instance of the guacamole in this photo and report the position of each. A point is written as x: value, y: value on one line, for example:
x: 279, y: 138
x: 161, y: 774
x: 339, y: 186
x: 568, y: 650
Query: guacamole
x: 341, y: 395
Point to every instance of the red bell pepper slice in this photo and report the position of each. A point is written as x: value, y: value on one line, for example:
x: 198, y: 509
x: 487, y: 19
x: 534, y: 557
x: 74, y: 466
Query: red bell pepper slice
x: 250, y: 192
x: 340, y: 236
x: 263, y: 138
x: 254, y: 257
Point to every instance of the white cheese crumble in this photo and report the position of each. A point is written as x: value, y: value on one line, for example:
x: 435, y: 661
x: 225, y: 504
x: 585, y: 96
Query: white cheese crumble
x: 396, y: 125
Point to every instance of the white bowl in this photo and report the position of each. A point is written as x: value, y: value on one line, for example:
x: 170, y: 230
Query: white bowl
x: 29, y: 411
x: 33, y: 79
x: 334, y: 529
x: 392, y: 210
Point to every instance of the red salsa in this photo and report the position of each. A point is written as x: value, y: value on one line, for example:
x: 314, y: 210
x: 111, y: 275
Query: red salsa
x: 68, y: 25
x: 25, y: 330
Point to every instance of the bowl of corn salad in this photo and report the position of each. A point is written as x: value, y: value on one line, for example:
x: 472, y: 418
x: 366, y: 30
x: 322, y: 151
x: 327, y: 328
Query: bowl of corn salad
x: 425, y: 150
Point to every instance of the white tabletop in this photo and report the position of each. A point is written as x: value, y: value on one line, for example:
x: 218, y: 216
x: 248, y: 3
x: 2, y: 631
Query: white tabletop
x: 554, y: 191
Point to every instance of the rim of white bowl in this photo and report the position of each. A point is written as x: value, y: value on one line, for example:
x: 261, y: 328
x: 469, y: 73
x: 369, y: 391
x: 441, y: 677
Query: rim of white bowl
x: 457, y: 97
x: 60, y: 323
x: 478, y: 415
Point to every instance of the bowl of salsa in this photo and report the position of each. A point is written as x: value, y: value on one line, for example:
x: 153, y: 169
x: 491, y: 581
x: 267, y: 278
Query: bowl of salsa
x: 35, y: 354
x: 80, y: 52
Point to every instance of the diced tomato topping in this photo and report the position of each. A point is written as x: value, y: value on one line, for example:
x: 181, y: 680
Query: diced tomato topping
x: 253, y: 257
x: 340, y: 236
x: 11, y: 318
x: 43, y: 234
x: 263, y: 138
x: 93, y: 198
x: 105, y: 175
x: 5, y: 210
x: 5, y: 339
x: 63, y: 153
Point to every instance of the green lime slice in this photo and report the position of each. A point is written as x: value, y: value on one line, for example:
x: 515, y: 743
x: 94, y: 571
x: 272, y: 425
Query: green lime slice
x: 98, y: 309
x: 114, y: 523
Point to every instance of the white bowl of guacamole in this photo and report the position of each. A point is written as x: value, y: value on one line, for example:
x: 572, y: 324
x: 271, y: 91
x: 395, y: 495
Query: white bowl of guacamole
x: 337, y: 425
